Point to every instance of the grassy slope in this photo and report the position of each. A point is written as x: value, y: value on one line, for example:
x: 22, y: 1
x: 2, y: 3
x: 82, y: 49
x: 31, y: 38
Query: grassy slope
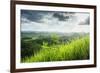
x: 76, y: 50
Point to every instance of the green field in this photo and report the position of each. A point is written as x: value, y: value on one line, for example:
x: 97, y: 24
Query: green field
x: 54, y: 48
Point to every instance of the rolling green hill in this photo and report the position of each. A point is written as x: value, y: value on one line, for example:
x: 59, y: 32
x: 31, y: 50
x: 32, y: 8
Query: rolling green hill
x: 77, y: 49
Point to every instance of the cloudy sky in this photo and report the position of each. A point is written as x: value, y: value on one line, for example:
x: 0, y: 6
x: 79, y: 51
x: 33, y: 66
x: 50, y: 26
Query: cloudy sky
x: 54, y: 21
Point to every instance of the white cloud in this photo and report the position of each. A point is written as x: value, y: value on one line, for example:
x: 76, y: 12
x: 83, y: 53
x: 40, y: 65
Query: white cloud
x: 51, y: 24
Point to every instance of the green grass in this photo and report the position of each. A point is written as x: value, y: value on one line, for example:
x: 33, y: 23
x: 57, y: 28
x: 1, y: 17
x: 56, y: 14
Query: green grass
x: 77, y: 49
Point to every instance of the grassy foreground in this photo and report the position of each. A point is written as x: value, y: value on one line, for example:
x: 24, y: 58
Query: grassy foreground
x: 77, y: 49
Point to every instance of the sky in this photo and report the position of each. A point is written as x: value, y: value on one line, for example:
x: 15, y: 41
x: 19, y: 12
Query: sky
x: 54, y: 21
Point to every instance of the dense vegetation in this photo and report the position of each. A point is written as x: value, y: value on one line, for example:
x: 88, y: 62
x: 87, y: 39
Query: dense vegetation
x: 54, y: 47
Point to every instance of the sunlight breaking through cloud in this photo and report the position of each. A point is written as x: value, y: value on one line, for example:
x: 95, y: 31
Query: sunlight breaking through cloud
x: 52, y: 21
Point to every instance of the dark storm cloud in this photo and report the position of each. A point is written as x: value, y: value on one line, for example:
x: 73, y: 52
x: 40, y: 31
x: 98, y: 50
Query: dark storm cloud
x: 31, y: 15
x: 60, y: 16
x: 54, y: 21
x: 87, y: 21
x: 63, y: 16
x: 37, y: 16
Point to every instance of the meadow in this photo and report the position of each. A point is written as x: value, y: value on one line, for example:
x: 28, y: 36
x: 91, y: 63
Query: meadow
x: 46, y: 47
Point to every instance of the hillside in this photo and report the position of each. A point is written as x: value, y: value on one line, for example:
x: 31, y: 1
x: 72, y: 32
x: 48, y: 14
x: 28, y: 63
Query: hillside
x: 77, y: 49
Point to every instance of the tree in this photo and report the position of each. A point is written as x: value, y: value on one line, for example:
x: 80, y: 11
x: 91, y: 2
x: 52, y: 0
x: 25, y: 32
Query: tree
x: 55, y: 39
